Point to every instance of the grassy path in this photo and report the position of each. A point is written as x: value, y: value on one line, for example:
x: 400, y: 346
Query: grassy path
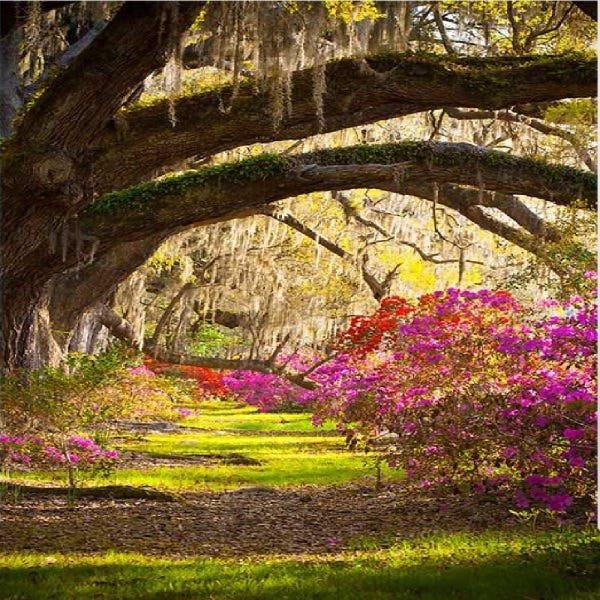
x: 269, y: 509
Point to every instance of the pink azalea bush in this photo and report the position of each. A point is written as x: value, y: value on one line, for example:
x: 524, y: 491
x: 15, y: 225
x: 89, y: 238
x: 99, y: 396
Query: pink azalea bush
x: 270, y: 392
x: 481, y: 392
x: 74, y: 454
x: 48, y: 413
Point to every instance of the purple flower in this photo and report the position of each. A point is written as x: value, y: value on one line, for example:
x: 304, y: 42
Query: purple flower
x: 559, y: 502
x: 509, y: 452
x: 573, y: 434
x: 577, y: 461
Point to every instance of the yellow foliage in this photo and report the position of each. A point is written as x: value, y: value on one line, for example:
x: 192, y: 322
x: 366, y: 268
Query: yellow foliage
x: 349, y: 11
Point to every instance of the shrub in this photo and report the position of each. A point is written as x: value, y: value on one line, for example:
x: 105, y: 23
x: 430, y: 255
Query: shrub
x: 481, y: 392
x: 75, y: 454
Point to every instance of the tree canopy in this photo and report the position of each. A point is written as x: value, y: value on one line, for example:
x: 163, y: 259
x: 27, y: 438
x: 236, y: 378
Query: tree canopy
x: 122, y: 122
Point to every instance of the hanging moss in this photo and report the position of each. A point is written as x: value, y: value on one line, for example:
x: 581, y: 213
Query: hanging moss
x: 488, y: 74
x: 270, y: 165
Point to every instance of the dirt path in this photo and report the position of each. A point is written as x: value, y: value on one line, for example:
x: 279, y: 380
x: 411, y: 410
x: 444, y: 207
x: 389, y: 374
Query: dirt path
x: 243, y: 522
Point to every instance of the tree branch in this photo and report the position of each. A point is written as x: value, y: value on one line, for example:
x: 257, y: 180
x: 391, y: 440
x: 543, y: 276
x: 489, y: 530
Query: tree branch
x: 510, y: 116
x: 116, y: 325
x: 358, y: 92
x: 130, y: 225
x: 377, y: 287
x: 343, y: 199
x: 442, y: 29
x: 80, y: 101
x: 124, y: 331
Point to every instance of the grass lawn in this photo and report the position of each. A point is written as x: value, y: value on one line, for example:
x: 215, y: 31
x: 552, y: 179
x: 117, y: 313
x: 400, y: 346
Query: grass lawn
x: 521, y: 564
x: 493, y: 565
x: 218, y: 414
x: 285, y: 460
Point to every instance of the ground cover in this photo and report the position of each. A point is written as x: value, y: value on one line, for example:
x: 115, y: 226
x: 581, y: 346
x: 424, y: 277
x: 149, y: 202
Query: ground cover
x: 305, y: 522
x: 492, y: 565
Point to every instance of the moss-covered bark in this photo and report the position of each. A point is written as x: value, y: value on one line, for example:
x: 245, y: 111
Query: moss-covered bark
x: 275, y: 176
x: 358, y: 92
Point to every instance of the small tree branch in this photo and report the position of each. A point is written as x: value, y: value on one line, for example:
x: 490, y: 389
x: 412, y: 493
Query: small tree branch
x: 544, y: 127
x: 442, y: 29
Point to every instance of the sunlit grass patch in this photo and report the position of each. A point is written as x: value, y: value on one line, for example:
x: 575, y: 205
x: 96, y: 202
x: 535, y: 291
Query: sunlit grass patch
x: 284, y: 461
x: 503, y: 566
x: 207, y: 442
x: 223, y: 414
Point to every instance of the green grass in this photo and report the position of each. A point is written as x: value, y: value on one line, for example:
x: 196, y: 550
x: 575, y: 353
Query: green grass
x: 559, y: 565
x: 218, y: 414
x: 286, y: 460
x: 252, y: 445
x: 521, y: 564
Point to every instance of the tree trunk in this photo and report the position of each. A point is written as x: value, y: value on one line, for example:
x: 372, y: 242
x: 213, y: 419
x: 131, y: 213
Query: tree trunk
x: 28, y: 338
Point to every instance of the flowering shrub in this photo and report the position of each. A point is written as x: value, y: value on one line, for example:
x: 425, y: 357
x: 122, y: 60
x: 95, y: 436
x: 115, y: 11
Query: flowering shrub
x: 44, y: 413
x: 64, y: 399
x: 75, y: 454
x: 87, y: 394
x: 142, y: 395
x: 209, y: 382
x: 480, y: 391
x: 270, y: 392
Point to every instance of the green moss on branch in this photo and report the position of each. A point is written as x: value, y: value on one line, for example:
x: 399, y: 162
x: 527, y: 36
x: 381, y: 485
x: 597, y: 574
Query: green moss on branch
x: 241, y: 171
x: 428, y: 154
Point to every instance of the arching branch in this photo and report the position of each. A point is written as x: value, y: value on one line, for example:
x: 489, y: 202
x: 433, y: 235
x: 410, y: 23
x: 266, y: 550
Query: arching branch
x: 213, y: 192
x: 131, y: 225
x: 358, y: 92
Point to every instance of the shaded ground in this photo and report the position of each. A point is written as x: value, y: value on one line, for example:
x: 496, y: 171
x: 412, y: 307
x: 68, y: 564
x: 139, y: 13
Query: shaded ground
x: 239, y: 523
x: 167, y: 427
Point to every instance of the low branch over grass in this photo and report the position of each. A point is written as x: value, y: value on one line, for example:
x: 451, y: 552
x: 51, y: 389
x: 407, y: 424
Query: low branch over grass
x: 121, y: 329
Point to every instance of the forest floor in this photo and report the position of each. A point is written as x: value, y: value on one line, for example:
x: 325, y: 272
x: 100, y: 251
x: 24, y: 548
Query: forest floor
x: 264, y: 506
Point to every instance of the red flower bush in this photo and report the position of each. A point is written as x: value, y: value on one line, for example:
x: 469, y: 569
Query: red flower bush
x: 209, y: 381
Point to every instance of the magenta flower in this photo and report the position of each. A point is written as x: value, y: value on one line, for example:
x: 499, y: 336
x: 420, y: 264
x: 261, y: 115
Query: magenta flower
x: 573, y: 434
